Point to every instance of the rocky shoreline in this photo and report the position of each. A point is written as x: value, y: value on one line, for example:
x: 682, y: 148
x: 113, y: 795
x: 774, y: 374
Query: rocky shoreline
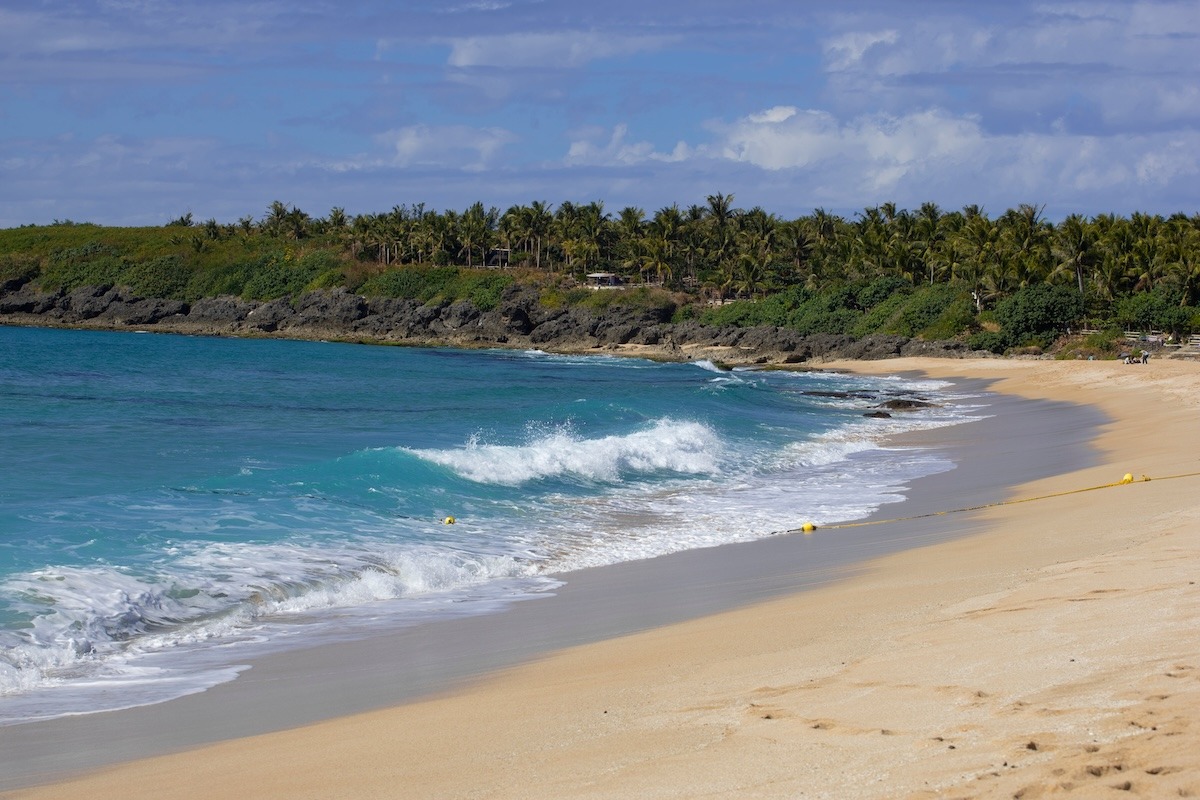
x: 520, y: 321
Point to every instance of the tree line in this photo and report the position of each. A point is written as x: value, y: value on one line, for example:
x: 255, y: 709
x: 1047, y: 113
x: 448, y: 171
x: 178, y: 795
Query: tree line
x: 728, y: 252
x: 1142, y: 270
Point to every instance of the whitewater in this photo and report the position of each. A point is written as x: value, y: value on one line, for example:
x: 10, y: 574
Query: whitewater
x: 172, y: 506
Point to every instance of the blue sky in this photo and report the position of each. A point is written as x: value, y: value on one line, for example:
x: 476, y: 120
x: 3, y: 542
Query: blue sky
x: 133, y: 112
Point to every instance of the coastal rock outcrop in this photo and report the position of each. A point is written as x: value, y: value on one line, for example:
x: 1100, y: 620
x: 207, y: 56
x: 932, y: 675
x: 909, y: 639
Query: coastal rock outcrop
x: 520, y: 319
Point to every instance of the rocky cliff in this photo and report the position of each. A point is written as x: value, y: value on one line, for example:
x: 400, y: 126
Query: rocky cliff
x: 519, y: 321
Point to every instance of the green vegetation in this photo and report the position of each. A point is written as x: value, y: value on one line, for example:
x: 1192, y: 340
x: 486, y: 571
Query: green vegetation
x: 1014, y: 281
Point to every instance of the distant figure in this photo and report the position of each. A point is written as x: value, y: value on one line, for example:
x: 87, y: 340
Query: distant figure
x: 1124, y: 358
x: 1145, y: 356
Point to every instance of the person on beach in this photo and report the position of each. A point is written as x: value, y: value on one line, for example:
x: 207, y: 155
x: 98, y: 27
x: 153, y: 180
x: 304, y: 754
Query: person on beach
x: 1145, y: 356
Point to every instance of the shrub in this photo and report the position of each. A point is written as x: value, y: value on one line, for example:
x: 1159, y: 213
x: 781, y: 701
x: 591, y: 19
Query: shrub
x: 880, y: 290
x: 645, y: 298
x: 228, y: 279
x: 924, y: 309
x: 883, y: 316
x: 1039, y: 313
x: 165, y: 277
x: 92, y: 264
x: 411, y: 283
x: 18, y: 267
x: 330, y: 279
x: 739, y: 313
x: 483, y: 289
x: 1158, y: 309
x: 778, y: 309
x: 826, y: 320
x: 955, y: 319
x: 992, y: 341
x: 279, y: 275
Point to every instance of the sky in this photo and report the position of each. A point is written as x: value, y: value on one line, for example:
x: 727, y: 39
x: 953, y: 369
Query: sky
x: 135, y: 112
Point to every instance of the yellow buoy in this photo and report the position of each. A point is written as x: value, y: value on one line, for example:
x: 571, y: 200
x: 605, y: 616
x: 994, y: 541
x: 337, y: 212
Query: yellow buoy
x: 808, y: 527
x: 1128, y: 478
x: 449, y: 520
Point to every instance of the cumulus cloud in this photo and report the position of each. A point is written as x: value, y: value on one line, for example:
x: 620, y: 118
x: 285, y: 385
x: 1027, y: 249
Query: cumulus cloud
x: 617, y: 150
x: 926, y: 153
x: 848, y: 49
x: 453, y: 146
x: 786, y: 137
x: 909, y: 158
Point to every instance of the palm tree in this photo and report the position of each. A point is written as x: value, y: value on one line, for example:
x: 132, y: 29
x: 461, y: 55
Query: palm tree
x: 476, y: 229
x: 751, y: 274
x: 1074, y: 248
x: 795, y: 242
x: 950, y: 261
x: 657, y: 258
x: 631, y: 227
x: 667, y: 226
x: 1027, y: 235
x: 722, y: 245
x: 720, y: 208
x: 930, y: 234
x: 540, y: 221
x: 515, y: 231
x: 594, y: 231
x: 1183, y: 253
x: 869, y: 246
x: 984, y: 255
x: 1118, y: 262
x: 337, y: 220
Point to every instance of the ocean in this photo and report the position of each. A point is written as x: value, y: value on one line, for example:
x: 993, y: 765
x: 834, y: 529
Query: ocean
x: 171, y: 506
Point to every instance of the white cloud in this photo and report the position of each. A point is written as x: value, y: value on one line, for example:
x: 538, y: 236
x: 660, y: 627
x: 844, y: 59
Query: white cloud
x: 847, y: 50
x: 915, y: 156
x: 555, y: 50
x: 776, y: 114
x: 1119, y: 63
x: 616, y: 151
x: 918, y: 156
x: 1169, y: 161
x: 481, y: 5
x: 804, y: 138
x: 450, y: 146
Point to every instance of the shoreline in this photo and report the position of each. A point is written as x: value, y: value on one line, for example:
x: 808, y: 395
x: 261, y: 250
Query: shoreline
x: 693, y: 704
x: 593, y: 605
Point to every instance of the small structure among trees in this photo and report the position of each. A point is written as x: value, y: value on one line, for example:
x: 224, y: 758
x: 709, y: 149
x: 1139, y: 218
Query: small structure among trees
x: 604, y: 280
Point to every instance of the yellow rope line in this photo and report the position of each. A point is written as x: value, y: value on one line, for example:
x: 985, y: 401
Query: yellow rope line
x: 809, y: 527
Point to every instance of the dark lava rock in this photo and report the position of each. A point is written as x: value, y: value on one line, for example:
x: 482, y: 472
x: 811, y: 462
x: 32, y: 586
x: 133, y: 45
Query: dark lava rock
x: 132, y: 310
x: 906, y: 405
x: 27, y: 300
x: 272, y: 316
x: 337, y: 309
x: 224, y: 311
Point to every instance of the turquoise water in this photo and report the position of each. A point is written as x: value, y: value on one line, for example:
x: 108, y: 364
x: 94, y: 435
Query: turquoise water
x: 170, y: 505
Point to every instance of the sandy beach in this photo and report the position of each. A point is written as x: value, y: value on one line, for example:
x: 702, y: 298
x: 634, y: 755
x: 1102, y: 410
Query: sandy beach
x: 1053, y: 651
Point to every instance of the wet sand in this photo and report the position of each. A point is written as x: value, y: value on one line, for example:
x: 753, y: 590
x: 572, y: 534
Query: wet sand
x: 1040, y: 647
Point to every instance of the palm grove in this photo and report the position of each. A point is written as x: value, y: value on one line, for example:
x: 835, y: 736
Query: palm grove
x: 1014, y: 280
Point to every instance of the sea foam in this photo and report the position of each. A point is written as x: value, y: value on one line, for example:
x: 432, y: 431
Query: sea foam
x: 689, y: 448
